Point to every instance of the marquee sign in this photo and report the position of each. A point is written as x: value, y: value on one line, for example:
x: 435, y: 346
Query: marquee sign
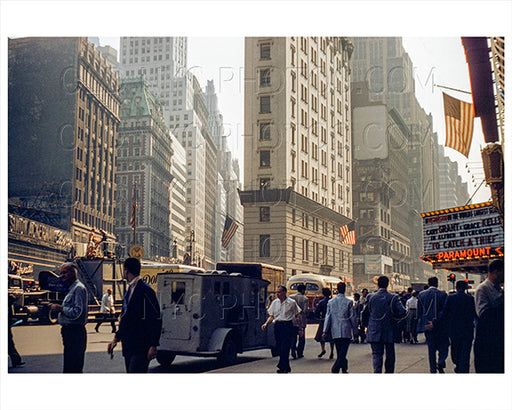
x: 466, y: 233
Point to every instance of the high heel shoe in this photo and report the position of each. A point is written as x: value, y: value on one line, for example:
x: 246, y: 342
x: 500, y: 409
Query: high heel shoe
x: 321, y: 353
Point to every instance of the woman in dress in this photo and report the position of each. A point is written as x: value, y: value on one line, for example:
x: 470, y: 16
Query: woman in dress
x: 320, y: 311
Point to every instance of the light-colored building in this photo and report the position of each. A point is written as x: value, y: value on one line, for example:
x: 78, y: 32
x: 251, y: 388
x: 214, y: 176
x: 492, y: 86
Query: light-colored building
x: 144, y: 157
x: 383, y: 63
x: 298, y: 159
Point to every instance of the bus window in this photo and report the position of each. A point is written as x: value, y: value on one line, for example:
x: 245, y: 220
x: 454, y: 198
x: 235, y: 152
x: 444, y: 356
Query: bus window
x: 312, y: 287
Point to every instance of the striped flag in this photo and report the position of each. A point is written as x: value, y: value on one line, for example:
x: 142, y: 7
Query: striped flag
x: 343, y: 232
x: 230, y: 228
x: 349, y: 239
x: 133, y: 219
x: 459, y: 117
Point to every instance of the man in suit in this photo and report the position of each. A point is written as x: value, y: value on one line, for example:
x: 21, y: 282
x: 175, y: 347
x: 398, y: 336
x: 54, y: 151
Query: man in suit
x: 458, y: 316
x: 489, y: 346
x: 140, y: 323
x: 430, y: 306
x: 341, y: 321
x: 381, y: 310
x: 299, y: 332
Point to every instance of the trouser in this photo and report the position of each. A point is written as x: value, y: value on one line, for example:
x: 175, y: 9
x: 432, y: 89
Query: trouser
x: 106, y: 317
x: 436, y: 343
x: 378, y: 355
x: 136, y: 363
x: 13, y: 353
x: 74, y: 339
x: 298, y: 347
x: 283, y: 332
x: 342, y: 345
x: 460, y: 352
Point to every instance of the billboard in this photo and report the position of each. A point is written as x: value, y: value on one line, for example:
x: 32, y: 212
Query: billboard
x: 466, y: 233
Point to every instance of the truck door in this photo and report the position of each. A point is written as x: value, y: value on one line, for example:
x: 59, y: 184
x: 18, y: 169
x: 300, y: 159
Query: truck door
x: 176, y: 307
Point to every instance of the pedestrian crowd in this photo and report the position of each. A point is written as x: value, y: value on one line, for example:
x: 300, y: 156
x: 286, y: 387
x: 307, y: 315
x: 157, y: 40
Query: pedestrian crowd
x: 455, y: 323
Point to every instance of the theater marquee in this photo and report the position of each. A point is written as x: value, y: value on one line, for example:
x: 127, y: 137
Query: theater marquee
x: 462, y: 237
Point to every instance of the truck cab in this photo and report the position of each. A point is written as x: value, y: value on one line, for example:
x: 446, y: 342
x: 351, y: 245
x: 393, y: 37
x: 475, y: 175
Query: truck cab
x: 211, y: 313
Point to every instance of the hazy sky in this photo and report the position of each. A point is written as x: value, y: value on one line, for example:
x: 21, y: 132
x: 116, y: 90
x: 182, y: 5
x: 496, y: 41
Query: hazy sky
x: 436, y: 61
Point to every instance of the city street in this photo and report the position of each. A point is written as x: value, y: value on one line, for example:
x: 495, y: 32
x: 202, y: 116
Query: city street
x: 41, y: 349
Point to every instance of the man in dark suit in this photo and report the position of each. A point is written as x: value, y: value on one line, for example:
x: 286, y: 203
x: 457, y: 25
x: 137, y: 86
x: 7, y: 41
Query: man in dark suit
x: 381, y: 310
x: 459, y: 317
x: 140, y: 323
x: 430, y: 306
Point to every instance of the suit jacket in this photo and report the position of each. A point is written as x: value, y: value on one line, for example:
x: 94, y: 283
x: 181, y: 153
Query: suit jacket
x: 340, y: 318
x: 459, y: 315
x: 140, y: 323
x: 380, y: 312
x: 430, y: 305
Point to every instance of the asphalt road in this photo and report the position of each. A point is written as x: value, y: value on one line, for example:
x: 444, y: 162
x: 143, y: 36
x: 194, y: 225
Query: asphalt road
x: 41, y: 349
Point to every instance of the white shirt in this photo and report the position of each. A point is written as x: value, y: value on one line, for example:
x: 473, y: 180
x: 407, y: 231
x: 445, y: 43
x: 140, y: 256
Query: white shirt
x: 283, y: 311
x: 107, y: 304
x: 412, y: 303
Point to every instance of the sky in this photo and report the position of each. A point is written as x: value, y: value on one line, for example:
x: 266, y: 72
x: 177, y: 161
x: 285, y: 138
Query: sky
x: 233, y: 20
x: 436, y: 61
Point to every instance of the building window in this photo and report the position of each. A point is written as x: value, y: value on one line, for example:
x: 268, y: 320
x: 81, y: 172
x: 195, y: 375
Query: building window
x: 264, y: 183
x: 265, y: 51
x: 265, y: 159
x: 265, y: 104
x: 264, y: 131
x: 264, y: 246
x: 265, y: 77
x: 264, y: 214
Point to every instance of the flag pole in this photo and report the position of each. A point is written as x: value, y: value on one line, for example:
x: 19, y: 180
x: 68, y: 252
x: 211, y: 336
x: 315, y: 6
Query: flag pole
x: 134, y: 210
x: 453, y: 89
x: 469, y: 200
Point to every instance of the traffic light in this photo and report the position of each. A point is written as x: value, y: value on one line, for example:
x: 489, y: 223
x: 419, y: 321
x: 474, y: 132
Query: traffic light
x: 451, y: 277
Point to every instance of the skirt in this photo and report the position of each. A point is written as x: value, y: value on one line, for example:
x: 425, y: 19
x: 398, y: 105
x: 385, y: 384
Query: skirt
x: 319, y: 331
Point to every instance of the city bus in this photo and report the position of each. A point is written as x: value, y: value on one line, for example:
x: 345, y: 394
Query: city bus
x: 150, y: 269
x: 314, y: 284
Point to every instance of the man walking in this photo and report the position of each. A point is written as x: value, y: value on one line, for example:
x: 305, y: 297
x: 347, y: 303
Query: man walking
x: 140, y: 323
x: 341, y: 321
x: 490, y: 329
x: 300, y: 331
x: 430, y: 306
x: 381, y: 309
x: 282, y: 310
x: 72, y: 318
x: 458, y: 317
x: 107, y: 311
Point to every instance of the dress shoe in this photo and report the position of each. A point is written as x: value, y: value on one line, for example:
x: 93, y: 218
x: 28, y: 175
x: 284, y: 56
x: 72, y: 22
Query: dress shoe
x: 321, y: 353
x: 20, y: 364
x: 300, y: 356
x: 331, y: 356
x: 294, y: 355
x: 440, y: 367
x: 282, y: 371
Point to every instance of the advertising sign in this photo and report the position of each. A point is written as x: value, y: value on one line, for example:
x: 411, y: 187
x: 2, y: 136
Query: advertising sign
x: 465, y: 233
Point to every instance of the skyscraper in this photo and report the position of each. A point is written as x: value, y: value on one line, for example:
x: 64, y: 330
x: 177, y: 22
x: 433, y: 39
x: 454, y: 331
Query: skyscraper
x: 63, y: 119
x: 298, y: 166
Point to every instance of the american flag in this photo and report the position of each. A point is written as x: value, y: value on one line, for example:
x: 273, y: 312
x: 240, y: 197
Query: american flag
x: 343, y: 231
x: 230, y: 228
x: 349, y: 239
x: 458, y: 117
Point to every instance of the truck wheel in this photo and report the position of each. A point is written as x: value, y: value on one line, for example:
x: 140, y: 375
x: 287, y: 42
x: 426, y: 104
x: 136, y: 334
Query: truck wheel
x: 164, y: 358
x: 48, y: 316
x: 227, y: 356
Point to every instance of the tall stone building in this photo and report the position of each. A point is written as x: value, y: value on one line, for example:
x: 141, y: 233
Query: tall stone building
x: 383, y: 63
x: 298, y: 166
x: 144, y: 175
x: 63, y: 119
x: 380, y: 192
x: 229, y: 175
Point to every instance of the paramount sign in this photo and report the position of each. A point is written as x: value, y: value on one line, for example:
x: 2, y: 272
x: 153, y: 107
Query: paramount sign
x: 471, y: 233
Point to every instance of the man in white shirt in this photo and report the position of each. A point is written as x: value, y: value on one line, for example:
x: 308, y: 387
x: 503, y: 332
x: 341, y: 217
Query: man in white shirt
x: 107, y: 311
x: 282, y: 310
